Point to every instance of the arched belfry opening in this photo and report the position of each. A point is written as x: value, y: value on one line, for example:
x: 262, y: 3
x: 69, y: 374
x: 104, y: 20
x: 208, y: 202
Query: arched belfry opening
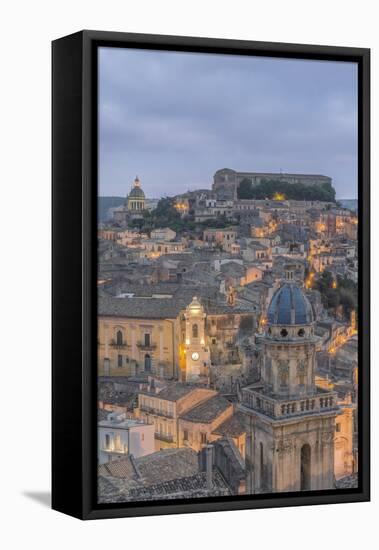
x: 305, y: 468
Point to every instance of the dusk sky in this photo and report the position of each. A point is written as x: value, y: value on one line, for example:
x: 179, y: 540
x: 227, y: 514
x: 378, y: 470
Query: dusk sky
x: 176, y: 118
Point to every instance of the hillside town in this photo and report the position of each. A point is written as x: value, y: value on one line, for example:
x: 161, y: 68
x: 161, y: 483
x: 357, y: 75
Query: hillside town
x: 228, y: 340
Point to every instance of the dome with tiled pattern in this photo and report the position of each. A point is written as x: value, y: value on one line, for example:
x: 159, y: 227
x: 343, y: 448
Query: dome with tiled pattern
x: 290, y: 306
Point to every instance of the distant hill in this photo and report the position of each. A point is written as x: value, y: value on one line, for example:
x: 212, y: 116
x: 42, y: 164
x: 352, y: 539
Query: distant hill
x: 351, y: 204
x: 105, y: 203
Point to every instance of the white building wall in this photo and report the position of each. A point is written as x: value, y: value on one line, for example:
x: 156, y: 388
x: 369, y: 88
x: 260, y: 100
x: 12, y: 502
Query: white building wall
x: 142, y: 440
x: 136, y: 440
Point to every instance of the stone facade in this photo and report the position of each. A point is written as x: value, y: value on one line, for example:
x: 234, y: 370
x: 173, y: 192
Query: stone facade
x: 290, y: 455
x: 163, y: 410
x: 134, y: 205
x: 127, y: 347
x: 290, y: 422
x: 197, y: 355
x: 345, y: 460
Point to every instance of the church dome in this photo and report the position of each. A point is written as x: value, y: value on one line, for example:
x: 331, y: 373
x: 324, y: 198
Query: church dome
x: 137, y: 192
x: 290, y: 306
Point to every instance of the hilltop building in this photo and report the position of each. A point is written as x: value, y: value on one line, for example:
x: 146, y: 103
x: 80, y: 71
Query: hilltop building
x: 133, y: 207
x: 226, y: 181
x: 136, y: 198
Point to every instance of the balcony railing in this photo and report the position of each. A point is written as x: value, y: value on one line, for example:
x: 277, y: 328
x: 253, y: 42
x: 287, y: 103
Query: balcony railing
x: 119, y: 345
x: 284, y: 408
x: 147, y: 346
x: 164, y: 437
x: 159, y: 412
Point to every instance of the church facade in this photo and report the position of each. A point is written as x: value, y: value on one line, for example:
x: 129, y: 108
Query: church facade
x: 197, y: 355
x: 133, y: 207
x: 290, y: 421
x: 177, y: 336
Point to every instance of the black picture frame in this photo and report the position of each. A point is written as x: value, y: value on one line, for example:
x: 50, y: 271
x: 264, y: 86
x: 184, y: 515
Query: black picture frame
x: 74, y: 205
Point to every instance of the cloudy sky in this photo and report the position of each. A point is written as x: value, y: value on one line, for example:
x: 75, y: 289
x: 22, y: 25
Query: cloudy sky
x: 176, y: 118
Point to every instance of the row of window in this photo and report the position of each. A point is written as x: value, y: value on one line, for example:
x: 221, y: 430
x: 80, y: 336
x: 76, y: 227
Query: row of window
x: 284, y: 332
x: 113, y: 442
x: 188, y: 436
x: 120, y: 339
x: 163, y: 407
x: 163, y: 428
x: 134, y: 205
x: 120, y: 361
x: 124, y: 360
x: 165, y: 249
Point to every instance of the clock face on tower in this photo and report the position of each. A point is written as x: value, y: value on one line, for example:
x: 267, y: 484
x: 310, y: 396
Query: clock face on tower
x: 195, y: 356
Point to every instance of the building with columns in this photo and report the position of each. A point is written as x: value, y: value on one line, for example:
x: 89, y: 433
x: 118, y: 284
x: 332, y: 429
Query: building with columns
x: 133, y: 207
x: 290, y: 422
x: 136, y: 198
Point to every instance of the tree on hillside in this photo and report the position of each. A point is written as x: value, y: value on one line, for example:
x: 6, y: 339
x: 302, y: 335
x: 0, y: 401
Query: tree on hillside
x: 343, y: 292
x: 294, y: 191
x: 244, y: 189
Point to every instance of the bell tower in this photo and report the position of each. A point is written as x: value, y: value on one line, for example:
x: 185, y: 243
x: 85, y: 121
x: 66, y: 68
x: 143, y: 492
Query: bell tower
x: 197, y: 356
x: 290, y: 421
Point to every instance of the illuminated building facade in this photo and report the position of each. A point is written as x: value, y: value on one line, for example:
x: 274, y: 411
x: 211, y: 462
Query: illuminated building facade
x: 290, y: 421
x: 197, y: 355
x: 134, y: 205
x: 136, y: 198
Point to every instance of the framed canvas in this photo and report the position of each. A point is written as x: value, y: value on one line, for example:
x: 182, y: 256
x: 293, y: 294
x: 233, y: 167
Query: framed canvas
x: 210, y: 275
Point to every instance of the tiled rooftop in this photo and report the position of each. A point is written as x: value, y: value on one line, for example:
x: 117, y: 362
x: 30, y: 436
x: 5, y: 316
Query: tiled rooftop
x: 208, y: 411
x: 232, y: 427
x: 173, y: 392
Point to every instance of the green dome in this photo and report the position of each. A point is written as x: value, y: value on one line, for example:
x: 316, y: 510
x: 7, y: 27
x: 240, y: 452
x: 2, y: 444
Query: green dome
x: 136, y: 193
